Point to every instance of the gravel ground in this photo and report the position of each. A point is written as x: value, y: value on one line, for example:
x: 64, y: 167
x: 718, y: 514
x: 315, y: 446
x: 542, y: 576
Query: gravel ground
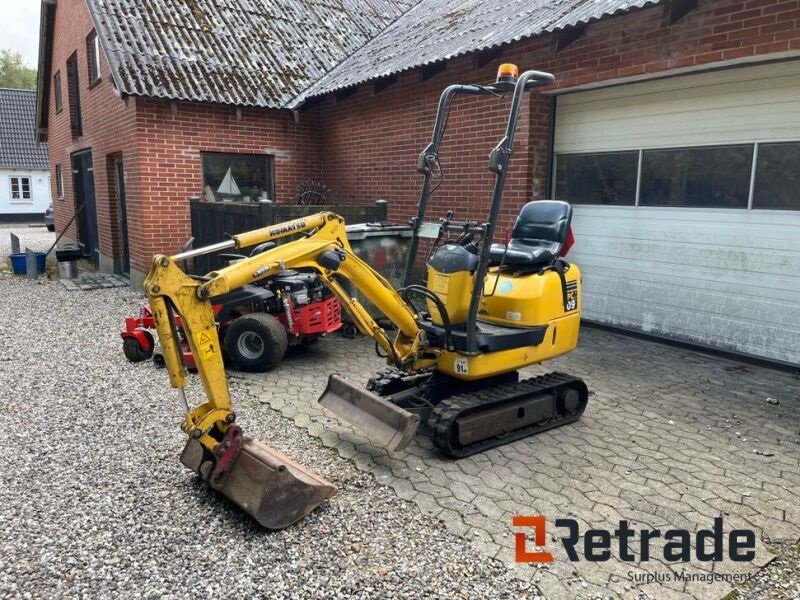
x: 780, y: 580
x: 93, y: 500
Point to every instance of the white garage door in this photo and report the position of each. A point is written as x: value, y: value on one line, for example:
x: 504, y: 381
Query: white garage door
x: 687, y: 206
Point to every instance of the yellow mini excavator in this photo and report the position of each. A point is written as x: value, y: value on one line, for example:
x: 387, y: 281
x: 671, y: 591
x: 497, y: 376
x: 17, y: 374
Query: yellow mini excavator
x: 489, y: 309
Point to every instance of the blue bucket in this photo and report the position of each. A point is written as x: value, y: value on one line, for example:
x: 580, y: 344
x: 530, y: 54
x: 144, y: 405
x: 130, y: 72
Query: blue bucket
x: 20, y: 266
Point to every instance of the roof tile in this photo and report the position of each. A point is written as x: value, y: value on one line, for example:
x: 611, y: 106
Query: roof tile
x: 18, y: 147
x: 244, y: 52
x: 436, y: 30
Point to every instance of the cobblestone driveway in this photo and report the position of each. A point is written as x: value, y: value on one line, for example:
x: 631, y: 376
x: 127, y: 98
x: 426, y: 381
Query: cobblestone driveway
x: 670, y: 439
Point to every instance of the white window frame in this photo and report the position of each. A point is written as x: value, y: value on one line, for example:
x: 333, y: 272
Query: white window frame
x: 21, y: 199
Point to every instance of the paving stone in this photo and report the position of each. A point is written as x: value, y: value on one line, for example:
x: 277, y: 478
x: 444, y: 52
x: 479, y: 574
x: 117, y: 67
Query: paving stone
x: 94, y: 281
x: 622, y: 460
x: 404, y: 489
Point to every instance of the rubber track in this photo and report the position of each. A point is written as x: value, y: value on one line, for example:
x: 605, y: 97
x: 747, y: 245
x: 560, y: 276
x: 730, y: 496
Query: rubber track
x: 444, y: 416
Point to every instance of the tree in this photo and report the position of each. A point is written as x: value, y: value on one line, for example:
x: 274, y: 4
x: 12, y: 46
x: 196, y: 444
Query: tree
x: 14, y: 73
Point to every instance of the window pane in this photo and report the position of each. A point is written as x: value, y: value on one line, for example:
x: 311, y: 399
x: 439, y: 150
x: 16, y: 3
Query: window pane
x: 59, y: 182
x: 608, y: 178
x: 93, y: 57
x: 237, y: 177
x: 57, y: 90
x: 96, y: 56
x: 778, y: 176
x: 73, y: 90
x: 698, y: 177
x: 15, y: 188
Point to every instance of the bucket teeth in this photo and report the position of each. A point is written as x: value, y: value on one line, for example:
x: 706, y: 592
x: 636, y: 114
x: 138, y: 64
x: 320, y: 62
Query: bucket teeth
x: 270, y: 487
x: 384, y: 423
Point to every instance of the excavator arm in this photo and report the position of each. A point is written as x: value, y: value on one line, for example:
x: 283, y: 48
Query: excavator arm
x: 268, y: 485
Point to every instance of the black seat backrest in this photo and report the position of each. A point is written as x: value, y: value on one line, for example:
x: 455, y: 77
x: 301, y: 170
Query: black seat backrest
x: 543, y: 221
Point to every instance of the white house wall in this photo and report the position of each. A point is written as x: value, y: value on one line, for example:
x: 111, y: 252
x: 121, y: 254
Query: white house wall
x: 40, y: 197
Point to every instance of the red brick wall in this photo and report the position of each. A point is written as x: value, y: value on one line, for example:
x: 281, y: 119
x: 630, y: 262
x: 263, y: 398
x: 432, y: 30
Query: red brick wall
x: 371, y: 142
x: 171, y: 137
x: 107, y: 126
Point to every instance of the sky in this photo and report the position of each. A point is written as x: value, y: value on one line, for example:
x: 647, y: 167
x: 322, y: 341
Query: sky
x: 21, y: 28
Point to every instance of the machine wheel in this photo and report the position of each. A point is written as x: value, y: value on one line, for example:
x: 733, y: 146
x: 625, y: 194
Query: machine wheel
x: 133, y: 350
x: 256, y: 342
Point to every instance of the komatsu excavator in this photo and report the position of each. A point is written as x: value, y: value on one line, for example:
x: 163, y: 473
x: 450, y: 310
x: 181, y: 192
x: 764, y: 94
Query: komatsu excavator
x: 489, y: 309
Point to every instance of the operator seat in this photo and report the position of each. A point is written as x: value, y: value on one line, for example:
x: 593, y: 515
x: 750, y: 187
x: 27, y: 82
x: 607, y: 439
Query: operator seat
x: 539, y: 234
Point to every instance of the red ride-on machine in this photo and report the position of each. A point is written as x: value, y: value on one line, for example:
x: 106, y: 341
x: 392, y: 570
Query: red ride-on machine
x: 256, y: 323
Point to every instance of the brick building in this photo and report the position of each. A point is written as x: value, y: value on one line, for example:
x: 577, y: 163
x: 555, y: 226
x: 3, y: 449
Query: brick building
x: 673, y: 128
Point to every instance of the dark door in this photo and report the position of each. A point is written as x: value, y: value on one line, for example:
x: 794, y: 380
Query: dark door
x: 123, y: 217
x: 83, y: 179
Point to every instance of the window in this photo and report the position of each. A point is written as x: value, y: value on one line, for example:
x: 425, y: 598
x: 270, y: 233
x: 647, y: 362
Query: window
x: 73, y: 90
x: 607, y: 178
x: 241, y: 177
x: 59, y: 182
x: 57, y: 91
x: 697, y: 177
x: 777, y: 183
x: 93, y: 58
x: 20, y: 189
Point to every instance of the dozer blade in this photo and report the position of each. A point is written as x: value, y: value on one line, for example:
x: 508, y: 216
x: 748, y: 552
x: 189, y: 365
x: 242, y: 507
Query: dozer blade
x: 383, y: 422
x: 270, y: 487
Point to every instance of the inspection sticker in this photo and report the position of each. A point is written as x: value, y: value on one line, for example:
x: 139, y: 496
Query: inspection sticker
x: 461, y: 366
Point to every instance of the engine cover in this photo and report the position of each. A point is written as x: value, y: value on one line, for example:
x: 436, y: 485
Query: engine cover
x: 303, y: 287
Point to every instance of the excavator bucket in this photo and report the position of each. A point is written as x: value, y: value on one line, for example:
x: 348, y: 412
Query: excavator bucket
x: 270, y: 487
x: 384, y: 423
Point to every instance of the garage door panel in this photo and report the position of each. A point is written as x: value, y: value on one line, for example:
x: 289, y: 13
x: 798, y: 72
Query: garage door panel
x: 776, y: 288
x: 706, y: 297
x: 695, y: 236
x: 773, y: 219
x: 698, y: 327
x: 748, y: 263
x: 685, y: 103
x: 683, y: 111
x: 728, y: 86
x: 743, y: 127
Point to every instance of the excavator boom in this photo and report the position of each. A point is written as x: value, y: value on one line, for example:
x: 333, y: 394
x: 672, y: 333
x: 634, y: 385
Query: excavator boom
x: 272, y: 488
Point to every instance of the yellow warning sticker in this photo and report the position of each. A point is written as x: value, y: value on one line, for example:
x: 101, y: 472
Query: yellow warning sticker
x: 205, y: 345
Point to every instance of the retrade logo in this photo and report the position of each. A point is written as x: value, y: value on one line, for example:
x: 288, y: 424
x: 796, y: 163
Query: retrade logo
x: 597, y: 545
x: 522, y: 554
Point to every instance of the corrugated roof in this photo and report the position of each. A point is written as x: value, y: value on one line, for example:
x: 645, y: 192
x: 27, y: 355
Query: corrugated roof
x: 18, y: 147
x: 244, y: 52
x: 436, y: 30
